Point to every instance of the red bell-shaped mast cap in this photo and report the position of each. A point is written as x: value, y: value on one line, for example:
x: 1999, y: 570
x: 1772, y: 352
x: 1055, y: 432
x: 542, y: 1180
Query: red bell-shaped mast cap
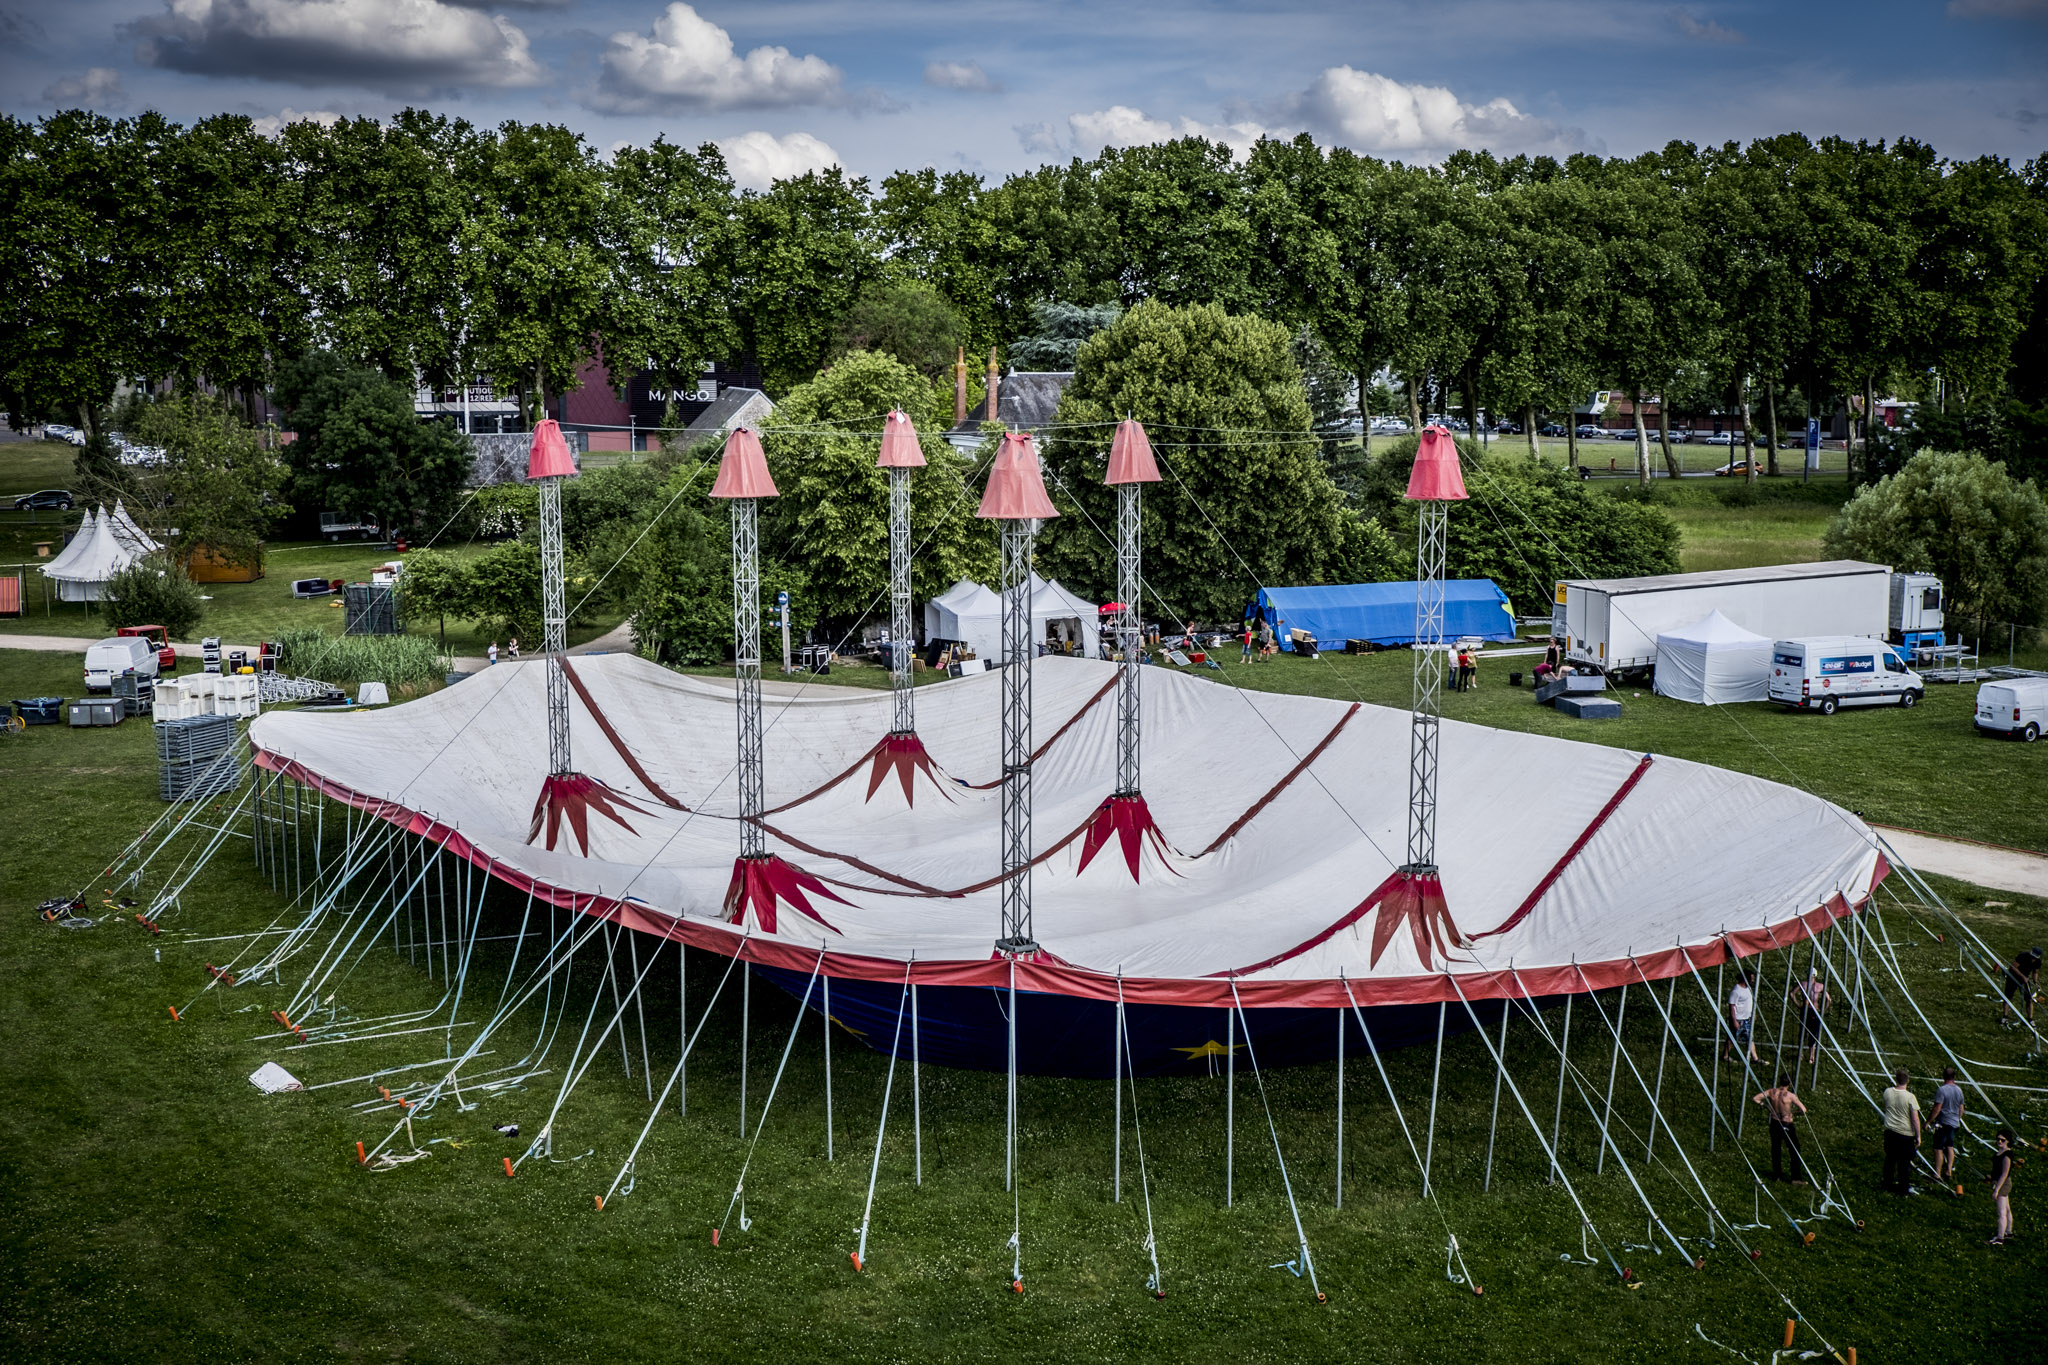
x: 900, y: 449
x: 1130, y: 456
x: 549, y: 458
x: 743, y: 468
x: 1436, y: 476
x: 1016, y: 485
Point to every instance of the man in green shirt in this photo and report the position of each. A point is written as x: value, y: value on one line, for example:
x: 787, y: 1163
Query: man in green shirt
x: 1901, y: 1135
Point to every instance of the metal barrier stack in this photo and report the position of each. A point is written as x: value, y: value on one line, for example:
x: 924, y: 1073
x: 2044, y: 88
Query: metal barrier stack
x: 196, y: 758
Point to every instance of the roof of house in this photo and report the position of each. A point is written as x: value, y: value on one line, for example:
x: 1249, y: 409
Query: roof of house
x: 733, y: 407
x: 1029, y: 398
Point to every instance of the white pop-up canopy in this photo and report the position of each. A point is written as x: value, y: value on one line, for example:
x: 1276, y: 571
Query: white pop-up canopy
x: 1713, y: 661
x: 970, y: 612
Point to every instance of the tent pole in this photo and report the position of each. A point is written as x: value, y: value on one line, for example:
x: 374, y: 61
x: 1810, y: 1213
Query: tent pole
x: 1436, y: 1072
x: 683, y: 1021
x: 1557, y: 1115
x: 1784, y: 1007
x: 746, y: 1008
x: 1230, y: 1109
x: 826, y: 1011
x: 639, y: 1003
x: 683, y: 1016
x: 611, y: 970
x: 1720, y: 1003
x: 1116, y: 1071
x: 1613, y: 1063
x: 1657, y: 1096
x: 916, y: 1090
x: 1010, y: 1111
x: 1499, y: 1074
x: 1340, y: 1108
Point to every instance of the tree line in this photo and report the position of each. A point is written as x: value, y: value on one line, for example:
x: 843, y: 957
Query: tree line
x: 1733, y: 278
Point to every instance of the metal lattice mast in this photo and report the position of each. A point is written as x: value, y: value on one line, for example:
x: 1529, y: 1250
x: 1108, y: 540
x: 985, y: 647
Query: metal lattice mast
x: 903, y: 713
x: 1428, y: 705
x: 746, y: 667
x: 743, y: 480
x: 554, y: 613
x: 1018, y: 536
x: 1129, y: 630
x: 1016, y: 497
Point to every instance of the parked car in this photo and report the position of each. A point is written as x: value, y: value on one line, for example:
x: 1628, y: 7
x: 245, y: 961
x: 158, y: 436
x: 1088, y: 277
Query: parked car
x: 48, y: 498
x: 2014, y: 707
x: 1733, y: 467
x: 1820, y: 675
x: 1551, y: 429
x: 1587, y: 431
x: 1721, y: 438
x: 110, y: 658
x: 166, y: 657
x: 1680, y: 436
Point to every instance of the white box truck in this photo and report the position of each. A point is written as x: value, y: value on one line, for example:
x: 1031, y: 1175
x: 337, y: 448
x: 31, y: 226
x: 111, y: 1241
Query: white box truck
x: 2015, y: 707
x: 1827, y: 672
x: 110, y: 658
x: 1613, y: 623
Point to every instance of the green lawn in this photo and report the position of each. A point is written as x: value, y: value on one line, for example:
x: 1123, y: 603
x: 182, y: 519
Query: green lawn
x: 157, y: 1207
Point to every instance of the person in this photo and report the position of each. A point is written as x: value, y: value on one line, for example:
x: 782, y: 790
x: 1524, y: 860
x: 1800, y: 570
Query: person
x: 1784, y: 1107
x: 1466, y: 669
x: 1901, y: 1134
x: 491, y: 654
x: 2001, y: 1187
x: 1815, y: 999
x: 512, y: 646
x: 1948, y: 1118
x: 1742, y: 1020
x: 1265, y: 640
x: 1245, y: 655
x: 2020, y: 980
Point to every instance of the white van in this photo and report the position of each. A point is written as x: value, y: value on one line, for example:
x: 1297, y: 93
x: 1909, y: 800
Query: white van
x: 109, y: 659
x: 2014, y: 706
x: 1843, y: 670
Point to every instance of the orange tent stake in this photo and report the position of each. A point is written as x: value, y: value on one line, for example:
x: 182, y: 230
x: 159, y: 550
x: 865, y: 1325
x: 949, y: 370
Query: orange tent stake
x: 361, y: 1159
x: 1789, y: 1324
x: 855, y: 1257
x: 174, y: 1011
x: 508, y: 1168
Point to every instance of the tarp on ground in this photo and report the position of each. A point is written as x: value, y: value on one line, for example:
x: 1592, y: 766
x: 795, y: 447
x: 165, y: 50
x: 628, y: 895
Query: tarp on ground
x: 1713, y: 661
x: 1384, y: 613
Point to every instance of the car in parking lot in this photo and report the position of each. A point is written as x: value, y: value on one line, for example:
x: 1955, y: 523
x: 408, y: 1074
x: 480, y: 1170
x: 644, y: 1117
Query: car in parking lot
x: 1550, y: 429
x: 1737, y: 467
x: 1587, y: 431
x: 1721, y: 438
x: 44, y: 500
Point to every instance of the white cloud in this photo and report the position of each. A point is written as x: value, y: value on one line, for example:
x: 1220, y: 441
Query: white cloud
x: 98, y: 88
x: 401, y: 46
x: 1122, y: 126
x: 959, y: 76
x: 1379, y: 115
x: 688, y: 62
x: 1705, y: 30
x: 758, y: 159
x: 270, y: 125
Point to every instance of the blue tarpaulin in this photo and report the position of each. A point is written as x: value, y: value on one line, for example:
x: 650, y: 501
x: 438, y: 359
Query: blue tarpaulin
x: 1384, y: 613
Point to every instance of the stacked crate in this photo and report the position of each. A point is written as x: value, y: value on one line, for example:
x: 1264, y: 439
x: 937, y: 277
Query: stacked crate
x: 196, y: 758
x: 136, y: 695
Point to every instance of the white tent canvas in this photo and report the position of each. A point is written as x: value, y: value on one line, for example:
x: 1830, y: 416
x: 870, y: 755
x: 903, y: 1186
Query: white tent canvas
x: 101, y: 549
x: 970, y: 612
x: 1713, y: 661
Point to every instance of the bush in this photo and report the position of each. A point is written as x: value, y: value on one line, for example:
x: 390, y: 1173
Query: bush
x: 405, y: 663
x: 153, y: 592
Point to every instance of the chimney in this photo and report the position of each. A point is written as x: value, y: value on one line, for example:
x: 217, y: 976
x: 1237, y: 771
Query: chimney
x: 995, y: 383
x: 960, y: 386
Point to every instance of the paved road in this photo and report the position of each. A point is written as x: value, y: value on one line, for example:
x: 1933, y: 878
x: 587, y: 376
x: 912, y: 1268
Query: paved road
x: 1992, y: 865
x: 617, y: 640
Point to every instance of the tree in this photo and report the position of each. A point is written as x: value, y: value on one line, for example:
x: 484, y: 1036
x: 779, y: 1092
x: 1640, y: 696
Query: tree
x: 669, y: 216
x: 359, y: 448
x: 436, y: 586
x: 938, y: 229
x: 502, y: 588
x: 832, y: 517
x: 1245, y: 502
x: 1963, y: 519
x: 905, y: 319
x: 1057, y: 332
x: 221, y: 481
x: 801, y: 257
x: 153, y: 591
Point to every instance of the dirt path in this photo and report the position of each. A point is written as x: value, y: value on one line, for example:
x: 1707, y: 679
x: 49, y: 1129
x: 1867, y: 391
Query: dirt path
x: 1992, y: 865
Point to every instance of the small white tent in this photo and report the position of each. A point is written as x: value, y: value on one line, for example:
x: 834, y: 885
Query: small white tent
x: 972, y: 613
x: 1712, y: 661
x: 102, y: 548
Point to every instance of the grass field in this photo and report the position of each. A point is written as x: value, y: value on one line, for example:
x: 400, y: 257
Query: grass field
x: 157, y: 1206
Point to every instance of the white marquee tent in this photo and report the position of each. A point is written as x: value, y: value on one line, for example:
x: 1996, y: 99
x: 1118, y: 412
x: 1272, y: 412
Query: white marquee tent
x: 106, y: 543
x: 1713, y: 661
x: 971, y: 612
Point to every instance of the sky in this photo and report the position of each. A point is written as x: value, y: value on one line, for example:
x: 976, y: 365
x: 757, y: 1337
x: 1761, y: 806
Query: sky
x: 997, y: 86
